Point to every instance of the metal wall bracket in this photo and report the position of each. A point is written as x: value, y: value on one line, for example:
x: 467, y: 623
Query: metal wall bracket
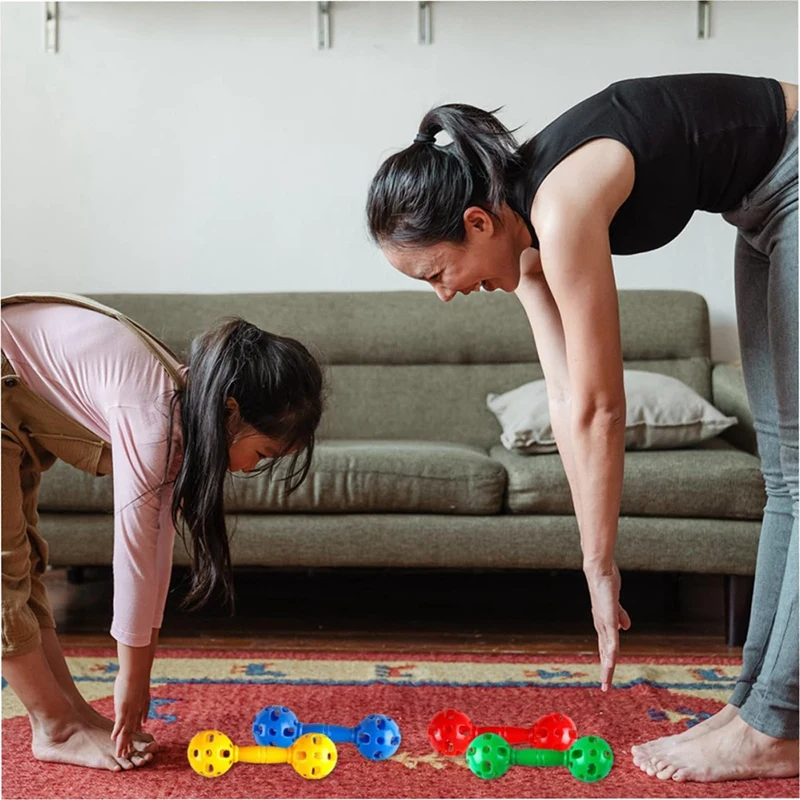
x: 425, y: 32
x: 51, y: 27
x: 323, y: 25
x: 704, y: 19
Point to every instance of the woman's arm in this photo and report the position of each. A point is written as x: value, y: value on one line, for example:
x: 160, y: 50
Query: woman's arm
x: 548, y: 333
x: 572, y: 213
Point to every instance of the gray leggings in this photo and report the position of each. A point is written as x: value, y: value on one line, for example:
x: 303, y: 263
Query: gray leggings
x: 766, y: 309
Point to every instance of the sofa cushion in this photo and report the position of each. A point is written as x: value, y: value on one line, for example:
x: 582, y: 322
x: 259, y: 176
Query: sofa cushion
x: 347, y: 476
x: 713, y: 480
x: 663, y: 413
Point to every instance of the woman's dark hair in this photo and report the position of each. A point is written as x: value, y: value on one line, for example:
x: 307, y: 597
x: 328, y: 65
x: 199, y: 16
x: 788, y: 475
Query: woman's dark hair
x: 419, y: 195
x: 278, y: 385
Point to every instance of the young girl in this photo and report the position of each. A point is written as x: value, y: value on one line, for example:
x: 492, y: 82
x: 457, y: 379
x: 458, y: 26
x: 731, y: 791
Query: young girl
x: 623, y: 172
x: 84, y: 383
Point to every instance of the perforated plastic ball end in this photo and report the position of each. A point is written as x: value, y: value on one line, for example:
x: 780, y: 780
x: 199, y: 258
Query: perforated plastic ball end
x: 489, y: 756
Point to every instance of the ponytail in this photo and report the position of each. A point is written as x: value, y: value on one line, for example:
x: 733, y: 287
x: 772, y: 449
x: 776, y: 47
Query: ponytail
x: 419, y: 195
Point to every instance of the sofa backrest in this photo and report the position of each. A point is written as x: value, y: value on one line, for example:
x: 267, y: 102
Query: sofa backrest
x: 403, y: 365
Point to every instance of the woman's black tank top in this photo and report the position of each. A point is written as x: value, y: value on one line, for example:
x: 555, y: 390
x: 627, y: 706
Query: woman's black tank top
x: 699, y: 142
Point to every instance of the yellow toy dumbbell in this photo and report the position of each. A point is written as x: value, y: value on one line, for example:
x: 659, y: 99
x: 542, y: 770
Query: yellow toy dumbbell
x: 212, y: 753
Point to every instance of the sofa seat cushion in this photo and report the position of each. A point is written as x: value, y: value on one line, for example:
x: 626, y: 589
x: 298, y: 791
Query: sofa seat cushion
x: 713, y: 480
x: 347, y: 476
x: 385, y: 476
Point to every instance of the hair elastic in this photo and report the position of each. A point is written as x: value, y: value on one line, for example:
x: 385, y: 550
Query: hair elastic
x: 424, y: 138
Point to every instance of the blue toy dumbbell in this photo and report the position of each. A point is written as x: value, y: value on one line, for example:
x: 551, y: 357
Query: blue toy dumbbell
x: 377, y: 736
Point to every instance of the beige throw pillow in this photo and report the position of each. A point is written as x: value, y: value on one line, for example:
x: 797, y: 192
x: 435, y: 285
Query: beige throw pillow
x: 663, y: 414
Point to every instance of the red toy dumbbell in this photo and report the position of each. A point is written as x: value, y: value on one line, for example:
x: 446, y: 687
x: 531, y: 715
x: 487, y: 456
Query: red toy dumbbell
x: 451, y: 732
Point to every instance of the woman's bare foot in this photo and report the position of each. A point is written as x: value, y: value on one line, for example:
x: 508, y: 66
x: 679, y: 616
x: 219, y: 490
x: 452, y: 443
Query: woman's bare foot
x: 733, y: 752
x: 81, y: 743
x: 647, y: 755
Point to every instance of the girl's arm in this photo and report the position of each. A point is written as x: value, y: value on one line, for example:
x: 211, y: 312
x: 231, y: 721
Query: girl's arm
x: 142, y: 557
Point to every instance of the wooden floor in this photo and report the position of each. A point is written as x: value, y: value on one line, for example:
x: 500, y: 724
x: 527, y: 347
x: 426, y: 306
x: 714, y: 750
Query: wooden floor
x: 414, y: 610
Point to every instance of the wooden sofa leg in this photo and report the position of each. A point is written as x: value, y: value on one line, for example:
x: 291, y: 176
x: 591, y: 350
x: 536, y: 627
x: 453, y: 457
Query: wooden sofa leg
x: 738, y: 596
x: 75, y: 575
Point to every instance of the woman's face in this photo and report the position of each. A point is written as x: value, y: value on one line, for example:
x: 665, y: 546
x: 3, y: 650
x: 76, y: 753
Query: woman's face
x: 488, y: 258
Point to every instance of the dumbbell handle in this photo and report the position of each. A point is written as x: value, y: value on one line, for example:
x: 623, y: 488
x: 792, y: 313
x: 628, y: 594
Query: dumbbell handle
x: 533, y: 757
x: 261, y: 754
x: 513, y: 735
x: 336, y: 733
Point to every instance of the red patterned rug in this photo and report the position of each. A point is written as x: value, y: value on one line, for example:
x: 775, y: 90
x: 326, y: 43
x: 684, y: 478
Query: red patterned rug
x: 193, y: 690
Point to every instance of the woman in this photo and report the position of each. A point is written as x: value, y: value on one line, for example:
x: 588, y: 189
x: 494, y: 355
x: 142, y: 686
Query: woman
x: 86, y: 384
x: 620, y: 173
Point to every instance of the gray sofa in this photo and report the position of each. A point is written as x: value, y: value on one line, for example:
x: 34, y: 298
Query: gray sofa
x: 410, y: 471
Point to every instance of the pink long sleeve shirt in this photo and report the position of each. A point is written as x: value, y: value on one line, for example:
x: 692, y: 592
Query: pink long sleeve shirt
x: 96, y: 371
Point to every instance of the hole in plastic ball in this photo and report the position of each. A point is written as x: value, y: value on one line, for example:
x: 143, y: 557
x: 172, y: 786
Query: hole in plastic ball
x: 471, y: 751
x: 226, y: 753
x: 377, y: 755
x: 593, y: 753
x: 275, y: 715
x: 591, y: 769
x: 486, y: 766
x: 288, y: 731
x: 196, y: 754
x: 380, y: 740
x: 487, y: 749
x: 576, y: 754
x: 381, y: 724
x: 364, y: 738
x: 210, y: 737
x: 210, y: 768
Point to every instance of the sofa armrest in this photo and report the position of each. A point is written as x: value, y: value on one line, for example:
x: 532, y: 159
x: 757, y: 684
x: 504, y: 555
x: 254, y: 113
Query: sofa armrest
x: 730, y: 397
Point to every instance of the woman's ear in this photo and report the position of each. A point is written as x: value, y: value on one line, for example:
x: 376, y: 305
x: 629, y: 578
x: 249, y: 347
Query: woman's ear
x: 478, y: 221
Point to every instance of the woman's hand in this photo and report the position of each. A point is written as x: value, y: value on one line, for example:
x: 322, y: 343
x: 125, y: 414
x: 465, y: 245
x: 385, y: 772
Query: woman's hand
x: 609, y: 616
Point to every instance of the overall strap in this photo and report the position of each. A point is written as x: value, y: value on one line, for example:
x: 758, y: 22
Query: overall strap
x: 163, y: 354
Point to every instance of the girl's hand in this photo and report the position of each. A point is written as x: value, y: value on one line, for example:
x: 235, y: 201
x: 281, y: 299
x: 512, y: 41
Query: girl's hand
x: 130, y: 696
x: 609, y: 617
x: 145, y: 706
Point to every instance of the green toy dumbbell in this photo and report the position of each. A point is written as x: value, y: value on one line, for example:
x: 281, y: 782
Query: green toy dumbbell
x: 589, y: 759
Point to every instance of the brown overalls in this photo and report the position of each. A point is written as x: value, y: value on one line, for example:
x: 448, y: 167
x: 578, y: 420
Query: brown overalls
x: 34, y: 435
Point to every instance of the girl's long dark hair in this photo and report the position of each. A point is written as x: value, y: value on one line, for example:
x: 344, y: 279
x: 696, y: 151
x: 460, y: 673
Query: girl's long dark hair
x: 418, y: 196
x: 278, y: 385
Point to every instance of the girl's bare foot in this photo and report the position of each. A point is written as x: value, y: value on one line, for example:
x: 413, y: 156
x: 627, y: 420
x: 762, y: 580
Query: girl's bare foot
x: 647, y: 755
x: 733, y: 752
x: 142, y: 742
x: 81, y: 743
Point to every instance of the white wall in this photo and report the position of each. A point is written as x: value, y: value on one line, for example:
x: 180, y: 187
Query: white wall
x: 209, y: 147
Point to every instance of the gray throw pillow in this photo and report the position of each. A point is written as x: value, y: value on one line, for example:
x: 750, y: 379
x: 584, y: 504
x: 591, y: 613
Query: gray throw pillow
x: 663, y: 414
